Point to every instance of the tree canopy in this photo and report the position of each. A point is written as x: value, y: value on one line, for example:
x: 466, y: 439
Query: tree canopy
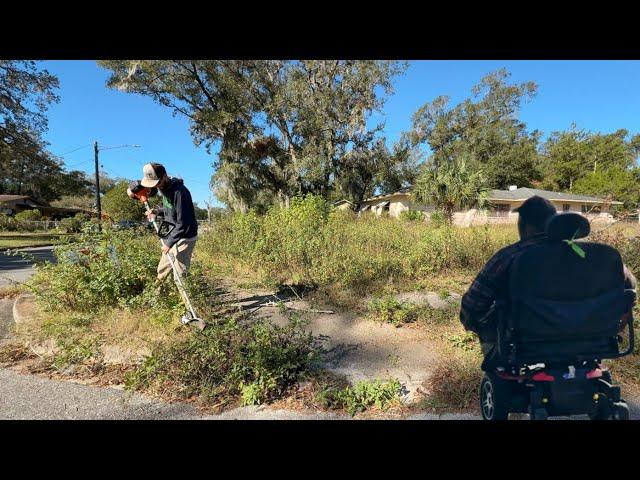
x: 484, y: 129
x: 567, y: 156
x: 26, y: 167
x: 284, y: 128
x: 119, y: 206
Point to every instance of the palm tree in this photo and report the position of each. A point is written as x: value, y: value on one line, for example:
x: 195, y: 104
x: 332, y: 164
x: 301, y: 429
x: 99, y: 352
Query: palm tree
x: 451, y: 185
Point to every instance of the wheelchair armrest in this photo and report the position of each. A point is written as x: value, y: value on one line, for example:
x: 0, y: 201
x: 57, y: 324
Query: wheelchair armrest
x: 630, y: 297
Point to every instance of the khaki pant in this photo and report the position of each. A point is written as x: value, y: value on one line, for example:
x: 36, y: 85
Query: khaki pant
x: 181, y: 253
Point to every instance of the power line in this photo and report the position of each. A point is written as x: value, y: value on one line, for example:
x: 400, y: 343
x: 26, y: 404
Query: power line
x: 74, y: 150
x: 78, y: 163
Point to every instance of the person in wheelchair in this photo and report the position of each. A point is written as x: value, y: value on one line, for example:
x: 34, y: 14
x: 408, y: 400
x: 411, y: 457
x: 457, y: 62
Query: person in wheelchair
x: 547, y: 311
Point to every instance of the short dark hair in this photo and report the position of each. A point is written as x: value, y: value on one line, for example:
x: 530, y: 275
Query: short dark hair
x: 159, y: 169
x: 536, y: 211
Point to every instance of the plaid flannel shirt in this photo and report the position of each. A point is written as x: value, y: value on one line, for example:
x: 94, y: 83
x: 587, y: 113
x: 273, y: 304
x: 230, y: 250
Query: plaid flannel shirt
x: 491, y: 284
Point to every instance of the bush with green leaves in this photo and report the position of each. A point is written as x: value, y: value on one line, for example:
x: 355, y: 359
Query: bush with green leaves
x: 362, y: 396
x: 466, y: 341
x: 437, y: 219
x: 387, y: 309
x: 7, y: 223
x: 24, y: 220
x: 29, y: 216
x: 412, y: 216
x: 253, y: 361
x: 119, y: 206
x: 101, y: 270
x: 74, y: 224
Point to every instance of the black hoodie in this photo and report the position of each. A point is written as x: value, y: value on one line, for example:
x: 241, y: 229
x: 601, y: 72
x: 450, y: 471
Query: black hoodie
x: 178, y: 209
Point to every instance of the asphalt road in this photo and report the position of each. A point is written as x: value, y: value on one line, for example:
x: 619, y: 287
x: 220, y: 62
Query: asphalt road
x: 28, y: 397
x: 15, y: 268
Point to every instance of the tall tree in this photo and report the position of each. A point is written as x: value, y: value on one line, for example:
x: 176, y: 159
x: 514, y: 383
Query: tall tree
x: 284, y: 127
x: 613, y: 183
x: 26, y: 167
x: 119, y: 206
x: 484, y: 129
x: 25, y: 94
x: 569, y: 155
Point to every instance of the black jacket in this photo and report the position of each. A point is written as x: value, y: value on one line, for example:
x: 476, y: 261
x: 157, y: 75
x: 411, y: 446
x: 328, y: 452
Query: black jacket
x: 178, y: 209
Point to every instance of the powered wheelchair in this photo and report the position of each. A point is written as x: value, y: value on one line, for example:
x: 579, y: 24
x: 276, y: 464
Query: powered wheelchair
x: 560, y: 321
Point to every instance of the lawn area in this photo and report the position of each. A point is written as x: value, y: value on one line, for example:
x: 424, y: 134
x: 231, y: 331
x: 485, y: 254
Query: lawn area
x: 28, y: 239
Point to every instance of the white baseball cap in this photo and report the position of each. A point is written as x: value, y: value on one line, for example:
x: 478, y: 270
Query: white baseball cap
x: 152, y: 176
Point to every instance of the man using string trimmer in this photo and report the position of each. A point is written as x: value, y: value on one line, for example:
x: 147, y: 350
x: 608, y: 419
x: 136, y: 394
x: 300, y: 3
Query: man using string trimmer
x: 176, y: 225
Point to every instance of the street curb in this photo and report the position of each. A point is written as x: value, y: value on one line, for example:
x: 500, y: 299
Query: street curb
x: 28, y: 247
x: 19, y: 316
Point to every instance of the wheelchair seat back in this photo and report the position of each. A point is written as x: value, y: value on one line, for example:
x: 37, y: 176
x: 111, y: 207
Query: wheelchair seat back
x: 564, y: 308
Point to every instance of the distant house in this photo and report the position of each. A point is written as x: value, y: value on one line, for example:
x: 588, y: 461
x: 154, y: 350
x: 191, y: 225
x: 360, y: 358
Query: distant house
x: 13, y: 204
x: 501, y: 204
x: 504, y: 201
x: 394, y: 203
x: 344, y: 204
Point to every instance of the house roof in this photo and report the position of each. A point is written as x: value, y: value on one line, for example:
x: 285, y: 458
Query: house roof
x: 524, y: 193
x: 402, y: 191
x: 344, y: 200
x: 13, y: 198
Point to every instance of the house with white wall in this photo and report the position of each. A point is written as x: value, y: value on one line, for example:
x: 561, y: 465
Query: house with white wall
x: 501, y: 204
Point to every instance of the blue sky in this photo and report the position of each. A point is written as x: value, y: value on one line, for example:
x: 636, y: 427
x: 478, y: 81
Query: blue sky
x: 597, y: 95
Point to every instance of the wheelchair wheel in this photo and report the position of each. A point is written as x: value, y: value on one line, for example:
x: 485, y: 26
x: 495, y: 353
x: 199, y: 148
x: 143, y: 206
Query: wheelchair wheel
x: 602, y: 411
x: 495, y: 398
x: 620, y: 411
x: 614, y: 411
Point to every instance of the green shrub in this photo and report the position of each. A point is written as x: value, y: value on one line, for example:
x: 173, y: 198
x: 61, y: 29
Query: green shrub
x: 362, y: 396
x: 389, y: 310
x: 119, y: 206
x: 412, y: 216
x: 24, y: 220
x: 29, y: 216
x: 100, y: 271
x: 70, y: 225
x: 437, y: 219
x: 7, y: 223
x: 467, y: 341
x: 74, y: 224
x: 256, y: 362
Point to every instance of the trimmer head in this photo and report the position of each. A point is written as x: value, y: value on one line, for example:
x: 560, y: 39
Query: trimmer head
x: 197, y: 322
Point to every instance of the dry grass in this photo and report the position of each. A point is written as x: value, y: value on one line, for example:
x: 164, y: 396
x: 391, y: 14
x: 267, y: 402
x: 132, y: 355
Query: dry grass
x: 454, y: 383
x: 85, y: 345
x: 11, y: 291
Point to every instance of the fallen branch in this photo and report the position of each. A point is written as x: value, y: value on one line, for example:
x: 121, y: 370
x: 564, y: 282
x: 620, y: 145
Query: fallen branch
x: 289, y: 307
x: 276, y: 304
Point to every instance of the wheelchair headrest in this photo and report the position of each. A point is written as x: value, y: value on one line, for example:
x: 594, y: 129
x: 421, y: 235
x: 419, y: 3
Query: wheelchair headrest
x: 567, y: 225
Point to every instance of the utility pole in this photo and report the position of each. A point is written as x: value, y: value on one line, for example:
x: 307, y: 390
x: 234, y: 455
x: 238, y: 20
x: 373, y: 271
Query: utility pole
x: 98, y: 206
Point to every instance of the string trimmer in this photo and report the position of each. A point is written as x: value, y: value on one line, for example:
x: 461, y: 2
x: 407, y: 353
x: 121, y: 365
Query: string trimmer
x: 142, y: 194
